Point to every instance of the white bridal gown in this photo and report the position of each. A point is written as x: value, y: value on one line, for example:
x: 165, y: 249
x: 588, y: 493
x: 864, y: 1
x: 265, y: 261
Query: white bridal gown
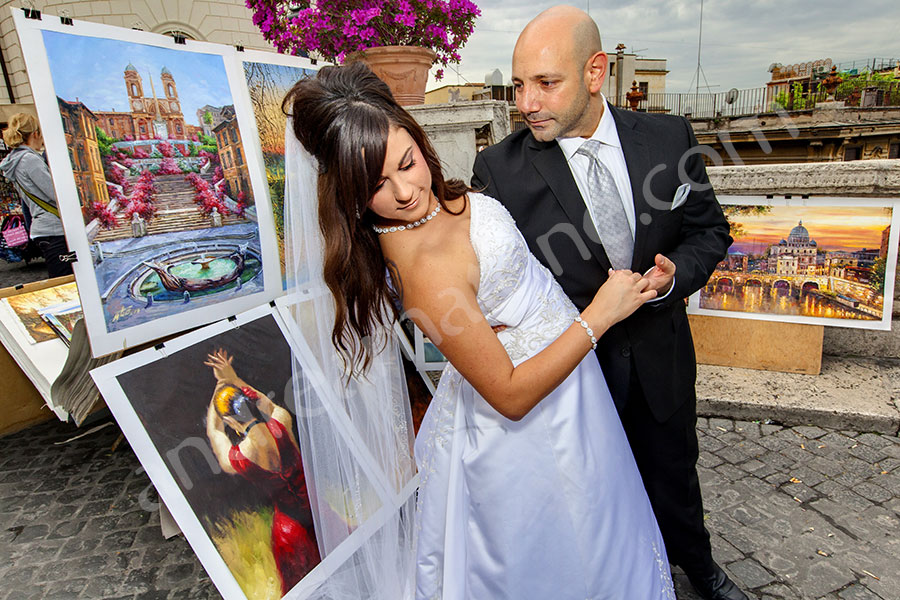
x: 547, y: 508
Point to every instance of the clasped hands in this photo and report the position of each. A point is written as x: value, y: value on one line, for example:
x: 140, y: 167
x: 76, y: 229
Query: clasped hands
x: 657, y: 278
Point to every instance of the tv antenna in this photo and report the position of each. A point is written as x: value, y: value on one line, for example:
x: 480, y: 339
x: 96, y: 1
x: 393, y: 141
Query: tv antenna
x: 699, y: 70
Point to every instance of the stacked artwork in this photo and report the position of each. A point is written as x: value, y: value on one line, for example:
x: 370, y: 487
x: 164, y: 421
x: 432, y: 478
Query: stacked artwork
x: 168, y: 160
x: 61, y: 318
x: 817, y: 261
x: 34, y: 345
x: 31, y: 306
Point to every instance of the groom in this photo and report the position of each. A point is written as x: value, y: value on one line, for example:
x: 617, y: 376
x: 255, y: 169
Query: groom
x: 593, y: 187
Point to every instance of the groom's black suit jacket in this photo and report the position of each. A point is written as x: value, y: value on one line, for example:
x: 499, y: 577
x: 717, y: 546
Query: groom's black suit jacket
x: 534, y: 182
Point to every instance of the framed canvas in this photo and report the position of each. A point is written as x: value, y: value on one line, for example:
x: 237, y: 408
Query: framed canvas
x: 212, y: 418
x: 823, y: 261
x: 269, y: 77
x: 147, y: 141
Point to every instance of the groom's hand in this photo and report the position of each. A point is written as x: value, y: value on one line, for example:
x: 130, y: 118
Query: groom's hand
x: 661, y: 275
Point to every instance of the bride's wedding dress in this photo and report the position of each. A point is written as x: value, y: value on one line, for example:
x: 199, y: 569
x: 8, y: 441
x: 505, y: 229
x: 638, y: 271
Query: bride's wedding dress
x: 550, y: 507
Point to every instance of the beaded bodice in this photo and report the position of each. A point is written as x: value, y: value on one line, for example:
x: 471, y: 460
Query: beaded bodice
x: 515, y: 289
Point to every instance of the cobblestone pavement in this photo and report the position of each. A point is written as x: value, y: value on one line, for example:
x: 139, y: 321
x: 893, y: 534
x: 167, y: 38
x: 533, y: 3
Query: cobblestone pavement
x: 15, y: 273
x: 797, y: 512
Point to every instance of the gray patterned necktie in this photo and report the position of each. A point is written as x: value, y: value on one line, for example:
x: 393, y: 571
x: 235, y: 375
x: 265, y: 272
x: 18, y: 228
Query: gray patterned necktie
x: 607, y: 210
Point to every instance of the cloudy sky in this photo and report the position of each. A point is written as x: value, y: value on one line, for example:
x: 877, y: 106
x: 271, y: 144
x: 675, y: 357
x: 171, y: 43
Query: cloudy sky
x: 833, y: 228
x: 741, y: 38
x: 92, y: 70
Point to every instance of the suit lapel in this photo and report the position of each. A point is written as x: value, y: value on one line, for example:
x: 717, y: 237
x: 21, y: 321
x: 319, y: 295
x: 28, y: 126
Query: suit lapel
x: 551, y: 163
x: 636, y: 149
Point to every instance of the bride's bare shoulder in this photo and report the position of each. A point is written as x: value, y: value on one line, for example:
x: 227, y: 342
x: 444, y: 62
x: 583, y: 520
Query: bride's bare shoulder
x: 438, y: 251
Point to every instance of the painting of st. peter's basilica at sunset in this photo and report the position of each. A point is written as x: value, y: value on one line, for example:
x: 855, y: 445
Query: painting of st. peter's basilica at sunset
x: 815, y: 264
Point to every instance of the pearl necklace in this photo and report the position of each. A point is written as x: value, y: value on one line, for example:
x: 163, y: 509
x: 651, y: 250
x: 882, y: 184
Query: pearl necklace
x: 383, y: 230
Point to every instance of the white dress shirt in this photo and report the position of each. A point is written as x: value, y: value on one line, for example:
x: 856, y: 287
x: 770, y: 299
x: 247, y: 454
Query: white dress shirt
x: 611, y: 155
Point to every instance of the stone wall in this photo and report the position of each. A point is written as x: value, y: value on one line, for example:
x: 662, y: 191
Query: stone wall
x: 857, y: 179
x: 824, y: 134
x: 459, y: 130
x: 869, y: 178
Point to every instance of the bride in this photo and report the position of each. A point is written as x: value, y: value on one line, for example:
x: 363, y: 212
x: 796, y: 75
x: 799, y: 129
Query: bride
x: 528, y: 487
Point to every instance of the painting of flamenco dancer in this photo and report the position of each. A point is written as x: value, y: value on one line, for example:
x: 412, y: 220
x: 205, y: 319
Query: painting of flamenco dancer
x: 222, y: 424
x: 252, y: 438
x: 160, y: 207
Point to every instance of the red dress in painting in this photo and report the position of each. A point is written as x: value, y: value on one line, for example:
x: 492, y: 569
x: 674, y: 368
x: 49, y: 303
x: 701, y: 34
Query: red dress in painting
x: 293, y: 540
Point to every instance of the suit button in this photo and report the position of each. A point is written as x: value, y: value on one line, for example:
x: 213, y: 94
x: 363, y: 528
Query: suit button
x: 626, y: 352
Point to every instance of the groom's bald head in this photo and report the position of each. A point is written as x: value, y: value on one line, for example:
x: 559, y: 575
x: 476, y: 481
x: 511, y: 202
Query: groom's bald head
x: 567, y: 30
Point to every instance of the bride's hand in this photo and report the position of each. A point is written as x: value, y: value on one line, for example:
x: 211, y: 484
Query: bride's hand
x: 622, y: 294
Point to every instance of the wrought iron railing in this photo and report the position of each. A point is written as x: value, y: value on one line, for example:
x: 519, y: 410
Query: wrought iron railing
x: 863, y: 92
x: 866, y: 91
x: 702, y: 105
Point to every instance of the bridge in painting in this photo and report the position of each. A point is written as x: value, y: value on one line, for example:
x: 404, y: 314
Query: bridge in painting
x: 851, y: 294
x: 733, y: 281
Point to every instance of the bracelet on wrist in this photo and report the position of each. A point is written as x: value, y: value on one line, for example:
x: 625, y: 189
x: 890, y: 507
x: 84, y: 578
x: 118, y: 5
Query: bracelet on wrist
x: 587, y: 330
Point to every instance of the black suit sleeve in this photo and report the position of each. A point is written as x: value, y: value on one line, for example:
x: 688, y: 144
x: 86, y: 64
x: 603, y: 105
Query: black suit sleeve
x: 705, y: 235
x: 482, y: 181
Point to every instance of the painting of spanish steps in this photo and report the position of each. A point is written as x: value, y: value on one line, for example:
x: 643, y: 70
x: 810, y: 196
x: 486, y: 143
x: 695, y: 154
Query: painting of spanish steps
x: 161, y: 173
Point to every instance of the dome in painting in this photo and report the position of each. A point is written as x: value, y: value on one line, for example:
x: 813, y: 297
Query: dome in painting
x: 166, y: 71
x: 799, y: 234
x: 130, y: 67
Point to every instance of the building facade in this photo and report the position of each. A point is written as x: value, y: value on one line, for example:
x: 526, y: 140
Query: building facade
x: 79, y: 125
x: 794, y: 256
x: 453, y: 93
x: 821, y: 134
x: 209, y: 117
x: 794, y: 119
x: 649, y: 74
x: 231, y: 155
x: 149, y: 116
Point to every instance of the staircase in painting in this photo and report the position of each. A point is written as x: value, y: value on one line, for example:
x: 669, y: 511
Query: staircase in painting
x: 176, y: 210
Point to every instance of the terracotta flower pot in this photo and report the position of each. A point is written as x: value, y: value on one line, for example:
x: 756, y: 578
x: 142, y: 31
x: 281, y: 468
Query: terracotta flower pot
x: 403, y: 68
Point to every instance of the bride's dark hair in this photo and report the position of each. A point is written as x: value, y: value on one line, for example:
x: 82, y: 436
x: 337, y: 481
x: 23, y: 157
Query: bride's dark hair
x: 343, y: 117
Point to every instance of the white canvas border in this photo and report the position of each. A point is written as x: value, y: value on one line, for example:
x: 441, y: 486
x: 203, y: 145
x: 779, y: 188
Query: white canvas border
x: 38, y: 67
x: 819, y: 201
x: 174, y: 499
